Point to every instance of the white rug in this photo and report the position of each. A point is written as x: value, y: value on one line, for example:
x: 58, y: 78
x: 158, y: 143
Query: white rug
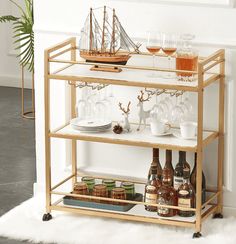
x: 24, y: 223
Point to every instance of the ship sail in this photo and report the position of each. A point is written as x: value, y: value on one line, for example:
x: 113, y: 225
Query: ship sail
x: 110, y: 37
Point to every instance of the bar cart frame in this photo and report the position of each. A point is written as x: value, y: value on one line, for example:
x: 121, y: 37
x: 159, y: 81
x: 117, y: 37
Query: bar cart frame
x: 204, y: 65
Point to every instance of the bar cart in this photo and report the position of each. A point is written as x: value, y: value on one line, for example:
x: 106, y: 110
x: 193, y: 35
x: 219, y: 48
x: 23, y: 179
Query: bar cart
x: 76, y: 72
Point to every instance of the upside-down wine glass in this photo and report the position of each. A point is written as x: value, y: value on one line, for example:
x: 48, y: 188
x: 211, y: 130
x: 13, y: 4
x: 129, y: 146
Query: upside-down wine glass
x: 177, y: 113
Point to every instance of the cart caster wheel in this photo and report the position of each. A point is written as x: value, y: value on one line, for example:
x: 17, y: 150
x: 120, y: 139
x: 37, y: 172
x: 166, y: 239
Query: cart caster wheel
x: 218, y: 216
x: 197, y: 235
x: 47, y: 217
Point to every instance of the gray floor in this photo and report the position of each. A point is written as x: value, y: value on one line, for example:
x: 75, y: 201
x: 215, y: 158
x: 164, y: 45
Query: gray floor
x: 17, y: 153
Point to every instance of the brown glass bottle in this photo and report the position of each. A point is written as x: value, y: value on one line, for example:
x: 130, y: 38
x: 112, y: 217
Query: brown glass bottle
x: 178, y: 172
x: 193, y: 179
x: 168, y: 165
x: 151, y: 188
x: 186, y: 195
x: 166, y: 195
x: 156, y: 163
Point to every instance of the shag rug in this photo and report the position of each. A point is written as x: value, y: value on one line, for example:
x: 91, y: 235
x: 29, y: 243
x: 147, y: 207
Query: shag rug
x: 24, y: 222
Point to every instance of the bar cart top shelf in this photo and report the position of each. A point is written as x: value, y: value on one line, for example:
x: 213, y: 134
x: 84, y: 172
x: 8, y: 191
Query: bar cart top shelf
x: 132, y: 75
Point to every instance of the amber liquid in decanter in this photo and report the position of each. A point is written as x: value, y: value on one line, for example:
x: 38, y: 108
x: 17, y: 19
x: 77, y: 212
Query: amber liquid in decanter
x: 186, y: 62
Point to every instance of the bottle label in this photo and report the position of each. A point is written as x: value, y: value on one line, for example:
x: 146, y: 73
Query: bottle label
x: 162, y: 210
x: 177, y: 182
x: 184, y: 202
x: 183, y: 192
x: 151, y: 198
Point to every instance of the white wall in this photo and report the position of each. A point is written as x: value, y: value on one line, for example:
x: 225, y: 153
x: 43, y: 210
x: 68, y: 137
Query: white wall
x: 10, y: 73
x: 56, y: 20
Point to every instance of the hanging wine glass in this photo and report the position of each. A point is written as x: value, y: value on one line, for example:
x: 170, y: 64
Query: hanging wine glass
x: 99, y: 108
x: 82, y: 107
x: 157, y: 112
x: 177, y: 113
x: 164, y: 107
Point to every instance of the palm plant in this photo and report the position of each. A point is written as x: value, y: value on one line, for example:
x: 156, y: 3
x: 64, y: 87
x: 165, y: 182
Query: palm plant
x: 23, y: 33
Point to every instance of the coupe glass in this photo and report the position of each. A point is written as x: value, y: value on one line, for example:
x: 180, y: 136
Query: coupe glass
x: 153, y: 46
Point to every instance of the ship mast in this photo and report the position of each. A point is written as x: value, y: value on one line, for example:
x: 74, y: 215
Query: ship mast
x: 103, y: 30
x: 91, y: 30
x: 113, y: 33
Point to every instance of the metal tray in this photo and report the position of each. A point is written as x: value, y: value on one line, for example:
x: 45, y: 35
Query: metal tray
x: 67, y: 200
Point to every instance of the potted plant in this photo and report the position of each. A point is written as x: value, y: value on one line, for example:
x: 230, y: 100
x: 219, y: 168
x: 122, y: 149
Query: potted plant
x: 23, y: 33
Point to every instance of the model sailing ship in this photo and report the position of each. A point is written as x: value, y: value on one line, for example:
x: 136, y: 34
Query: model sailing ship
x: 108, y: 43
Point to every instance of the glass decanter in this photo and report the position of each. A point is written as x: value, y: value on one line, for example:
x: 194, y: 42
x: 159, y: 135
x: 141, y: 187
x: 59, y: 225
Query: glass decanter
x: 186, y: 58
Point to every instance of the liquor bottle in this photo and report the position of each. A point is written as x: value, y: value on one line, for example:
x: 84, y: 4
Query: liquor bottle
x: 186, y: 195
x: 178, y: 172
x: 168, y: 165
x: 156, y: 163
x: 166, y: 195
x: 151, y: 188
x: 193, y: 179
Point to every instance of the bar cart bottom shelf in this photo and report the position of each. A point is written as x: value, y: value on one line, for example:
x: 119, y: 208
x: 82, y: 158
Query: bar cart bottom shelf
x: 137, y: 213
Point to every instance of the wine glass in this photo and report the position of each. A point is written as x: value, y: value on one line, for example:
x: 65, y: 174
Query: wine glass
x: 165, y: 107
x: 100, y: 107
x: 177, y: 113
x: 83, y: 107
x: 169, y: 47
x: 157, y: 112
x: 153, y: 46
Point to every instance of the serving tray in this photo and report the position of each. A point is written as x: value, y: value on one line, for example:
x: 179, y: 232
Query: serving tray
x: 67, y: 200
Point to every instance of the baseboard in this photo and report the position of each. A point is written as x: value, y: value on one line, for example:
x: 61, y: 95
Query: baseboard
x: 14, y: 81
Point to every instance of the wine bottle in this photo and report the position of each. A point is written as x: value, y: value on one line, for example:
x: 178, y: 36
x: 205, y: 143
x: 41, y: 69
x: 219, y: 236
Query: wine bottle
x: 166, y: 195
x: 151, y: 189
x: 155, y: 164
x: 186, y: 195
x: 178, y: 172
x: 193, y: 179
x: 168, y: 165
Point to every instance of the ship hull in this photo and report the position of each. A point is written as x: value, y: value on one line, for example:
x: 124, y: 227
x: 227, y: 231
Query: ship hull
x: 119, y: 59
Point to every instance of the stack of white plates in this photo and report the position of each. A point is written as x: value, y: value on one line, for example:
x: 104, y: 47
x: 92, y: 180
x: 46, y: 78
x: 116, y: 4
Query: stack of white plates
x: 91, y: 125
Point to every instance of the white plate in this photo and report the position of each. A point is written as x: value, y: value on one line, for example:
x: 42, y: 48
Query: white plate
x: 90, y: 123
x: 164, y: 134
x: 90, y: 130
x: 178, y: 135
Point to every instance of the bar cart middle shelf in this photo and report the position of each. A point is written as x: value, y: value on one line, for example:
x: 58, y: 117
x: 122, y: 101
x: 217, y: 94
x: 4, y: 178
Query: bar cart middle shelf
x: 76, y: 72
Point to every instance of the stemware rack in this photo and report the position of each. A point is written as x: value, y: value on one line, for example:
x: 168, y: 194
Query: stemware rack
x: 76, y: 73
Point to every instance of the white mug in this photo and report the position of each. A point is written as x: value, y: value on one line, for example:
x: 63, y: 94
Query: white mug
x: 188, y: 129
x: 159, y: 127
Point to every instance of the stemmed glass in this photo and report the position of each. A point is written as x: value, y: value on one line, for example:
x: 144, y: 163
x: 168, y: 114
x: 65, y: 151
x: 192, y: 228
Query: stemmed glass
x: 83, y: 106
x: 177, y: 113
x: 169, y: 47
x: 100, y: 107
x: 153, y: 45
x: 157, y: 112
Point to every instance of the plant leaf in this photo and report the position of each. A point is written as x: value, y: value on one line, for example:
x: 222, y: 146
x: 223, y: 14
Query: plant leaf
x: 8, y: 18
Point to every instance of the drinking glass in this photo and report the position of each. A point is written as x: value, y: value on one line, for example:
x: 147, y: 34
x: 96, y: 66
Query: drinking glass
x: 83, y: 107
x: 177, y: 113
x: 157, y: 112
x: 164, y: 106
x: 153, y: 45
x: 100, y: 107
x: 169, y: 47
